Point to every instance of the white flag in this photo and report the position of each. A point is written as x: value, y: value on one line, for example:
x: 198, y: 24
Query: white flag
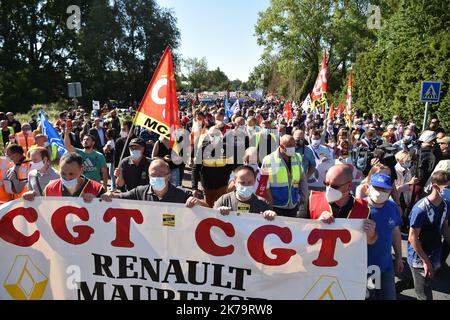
x: 95, y: 105
x: 306, y: 105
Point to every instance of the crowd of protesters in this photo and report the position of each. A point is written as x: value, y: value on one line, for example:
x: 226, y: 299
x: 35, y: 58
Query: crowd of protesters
x: 255, y: 160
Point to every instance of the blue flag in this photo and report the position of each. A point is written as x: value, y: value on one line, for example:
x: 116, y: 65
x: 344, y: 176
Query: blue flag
x: 53, y: 136
x: 227, y: 107
x: 234, y: 107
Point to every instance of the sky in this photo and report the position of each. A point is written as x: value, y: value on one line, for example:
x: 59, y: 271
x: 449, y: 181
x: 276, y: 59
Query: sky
x: 220, y: 30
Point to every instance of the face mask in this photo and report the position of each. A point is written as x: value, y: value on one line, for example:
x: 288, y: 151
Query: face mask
x: 135, y: 154
x: 12, y: 141
x: 244, y: 192
x: 100, y: 124
x: 37, y: 165
x: 242, y: 128
x: 299, y: 143
x: 378, y: 197
x: 158, y: 184
x: 315, y: 143
x: 290, y: 151
x: 407, y: 165
x: 46, y: 144
x: 333, y: 195
x: 445, y: 194
x: 219, y: 123
x: 407, y: 139
x: 26, y: 131
x: 357, y: 137
x: 69, y: 184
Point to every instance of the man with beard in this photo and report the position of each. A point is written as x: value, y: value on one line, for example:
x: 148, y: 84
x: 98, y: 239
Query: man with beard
x: 94, y: 163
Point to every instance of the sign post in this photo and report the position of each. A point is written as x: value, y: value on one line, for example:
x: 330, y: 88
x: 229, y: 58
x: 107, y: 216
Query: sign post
x: 431, y: 92
x: 74, y: 89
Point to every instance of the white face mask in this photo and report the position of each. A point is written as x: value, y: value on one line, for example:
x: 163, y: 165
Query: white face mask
x: 69, y: 184
x: 37, y: 165
x: 357, y: 137
x: 333, y: 195
x: 315, y: 143
x: 123, y: 134
x: 290, y: 151
x: 378, y: 197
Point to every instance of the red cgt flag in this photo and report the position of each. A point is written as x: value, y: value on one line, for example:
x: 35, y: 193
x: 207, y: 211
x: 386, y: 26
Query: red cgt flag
x: 339, y: 110
x: 320, y: 87
x: 348, y: 104
x: 158, y: 111
x: 287, y: 114
x: 331, y: 113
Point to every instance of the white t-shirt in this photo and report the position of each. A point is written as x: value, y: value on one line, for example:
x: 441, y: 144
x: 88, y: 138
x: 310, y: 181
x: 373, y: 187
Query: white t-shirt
x: 111, y: 143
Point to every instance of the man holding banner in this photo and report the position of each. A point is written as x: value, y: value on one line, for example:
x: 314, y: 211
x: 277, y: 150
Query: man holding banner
x: 160, y: 188
x: 72, y: 182
x: 338, y: 202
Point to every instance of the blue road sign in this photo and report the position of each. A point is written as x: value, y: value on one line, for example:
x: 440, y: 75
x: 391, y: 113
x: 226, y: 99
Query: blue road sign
x: 431, y: 91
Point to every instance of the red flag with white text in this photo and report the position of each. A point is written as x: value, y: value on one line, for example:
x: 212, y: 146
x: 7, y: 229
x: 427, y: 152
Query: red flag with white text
x: 320, y: 87
x: 158, y: 111
x: 348, y: 104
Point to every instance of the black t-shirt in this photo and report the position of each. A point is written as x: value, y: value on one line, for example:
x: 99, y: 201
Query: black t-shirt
x: 173, y: 195
x: 134, y: 175
x: 5, y: 136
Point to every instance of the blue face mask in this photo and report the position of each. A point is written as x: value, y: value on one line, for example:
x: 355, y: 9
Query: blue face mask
x: 135, y: 154
x: 445, y: 194
x: 158, y: 184
x: 244, y: 191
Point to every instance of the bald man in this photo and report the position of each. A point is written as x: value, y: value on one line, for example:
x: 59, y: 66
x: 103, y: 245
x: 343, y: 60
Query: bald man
x: 160, y: 189
x: 338, y: 202
x: 288, y: 187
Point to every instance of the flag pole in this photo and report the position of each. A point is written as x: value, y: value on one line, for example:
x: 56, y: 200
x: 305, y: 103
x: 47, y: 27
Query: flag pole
x: 140, y: 105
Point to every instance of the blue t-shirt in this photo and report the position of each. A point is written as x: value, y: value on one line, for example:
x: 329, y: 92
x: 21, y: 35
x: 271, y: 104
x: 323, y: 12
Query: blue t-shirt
x: 387, y: 219
x: 430, y: 220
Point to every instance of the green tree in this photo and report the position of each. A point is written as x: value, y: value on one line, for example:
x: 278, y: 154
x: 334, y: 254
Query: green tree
x: 297, y: 31
x: 413, y: 46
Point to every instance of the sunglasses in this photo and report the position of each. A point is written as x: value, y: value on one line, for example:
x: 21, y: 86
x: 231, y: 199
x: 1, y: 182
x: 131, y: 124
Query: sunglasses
x: 335, y: 186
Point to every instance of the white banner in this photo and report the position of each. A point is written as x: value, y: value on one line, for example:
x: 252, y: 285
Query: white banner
x: 318, y: 177
x: 63, y: 248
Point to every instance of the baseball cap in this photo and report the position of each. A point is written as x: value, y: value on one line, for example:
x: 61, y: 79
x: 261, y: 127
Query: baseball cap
x: 445, y: 140
x: 427, y: 136
x: 381, y: 180
x: 137, y: 142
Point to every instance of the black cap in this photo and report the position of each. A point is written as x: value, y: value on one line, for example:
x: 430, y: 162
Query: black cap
x: 137, y: 142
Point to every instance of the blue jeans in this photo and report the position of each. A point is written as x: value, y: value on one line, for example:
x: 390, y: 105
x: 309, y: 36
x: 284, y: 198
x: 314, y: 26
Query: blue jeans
x: 387, y: 283
x: 175, y: 178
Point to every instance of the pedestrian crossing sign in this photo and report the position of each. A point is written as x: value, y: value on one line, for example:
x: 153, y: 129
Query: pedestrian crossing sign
x: 431, y: 91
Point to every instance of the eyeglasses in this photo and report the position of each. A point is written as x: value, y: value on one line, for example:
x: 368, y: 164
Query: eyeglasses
x: 335, y: 186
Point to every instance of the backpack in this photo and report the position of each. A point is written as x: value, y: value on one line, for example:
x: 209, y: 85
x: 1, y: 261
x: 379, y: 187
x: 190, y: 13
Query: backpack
x: 361, y: 158
x: 424, y: 162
